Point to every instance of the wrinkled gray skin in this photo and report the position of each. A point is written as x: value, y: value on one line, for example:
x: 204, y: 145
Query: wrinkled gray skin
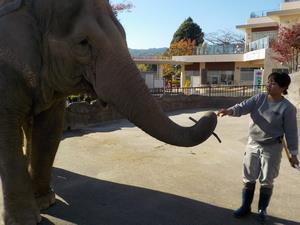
x: 50, y: 49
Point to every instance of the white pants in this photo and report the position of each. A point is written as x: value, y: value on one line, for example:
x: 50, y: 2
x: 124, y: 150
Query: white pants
x: 262, y: 162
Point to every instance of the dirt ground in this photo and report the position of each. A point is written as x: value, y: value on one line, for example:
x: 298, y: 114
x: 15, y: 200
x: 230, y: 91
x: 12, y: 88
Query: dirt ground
x: 115, y: 174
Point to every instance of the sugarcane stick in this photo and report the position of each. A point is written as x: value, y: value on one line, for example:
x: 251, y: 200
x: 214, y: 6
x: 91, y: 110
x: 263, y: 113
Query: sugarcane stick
x: 216, y: 136
x: 288, y: 154
x: 286, y: 150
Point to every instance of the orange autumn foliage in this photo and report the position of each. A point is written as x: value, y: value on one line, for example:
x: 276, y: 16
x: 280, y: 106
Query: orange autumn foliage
x: 182, y: 47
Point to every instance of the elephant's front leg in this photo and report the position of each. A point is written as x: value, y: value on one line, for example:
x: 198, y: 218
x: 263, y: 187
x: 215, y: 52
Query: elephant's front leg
x: 19, y: 204
x: 46, y: 135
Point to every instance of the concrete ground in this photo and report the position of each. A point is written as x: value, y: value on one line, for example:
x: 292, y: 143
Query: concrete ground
x: 115, y: 174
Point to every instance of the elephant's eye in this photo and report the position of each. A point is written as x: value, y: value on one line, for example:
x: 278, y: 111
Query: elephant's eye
x: 82, y: 51
x: 84, y: 42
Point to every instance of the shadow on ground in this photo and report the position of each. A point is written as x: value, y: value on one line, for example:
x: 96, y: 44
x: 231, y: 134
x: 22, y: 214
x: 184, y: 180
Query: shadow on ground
x: 102, y: 128
x: 89, y: 201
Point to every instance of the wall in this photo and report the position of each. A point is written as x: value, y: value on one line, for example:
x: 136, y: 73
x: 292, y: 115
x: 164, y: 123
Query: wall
x: 294, y: 90
x: 219, y: 66
x: 270, y: 64
x: 192, y: 67
x: 290, y: 5
x: 82, y: 114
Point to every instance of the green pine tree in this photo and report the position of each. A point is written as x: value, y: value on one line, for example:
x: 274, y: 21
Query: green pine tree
x: 189, y: 30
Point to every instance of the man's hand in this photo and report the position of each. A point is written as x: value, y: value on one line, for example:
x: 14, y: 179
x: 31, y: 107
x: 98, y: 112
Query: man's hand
x: 294, y: 161
x: 224, y: 112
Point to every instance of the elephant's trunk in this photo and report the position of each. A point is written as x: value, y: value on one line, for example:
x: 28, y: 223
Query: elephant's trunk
x: 124, y: 88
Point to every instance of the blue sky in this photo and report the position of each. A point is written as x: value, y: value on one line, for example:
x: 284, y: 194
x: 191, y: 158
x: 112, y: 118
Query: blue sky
x: 152, y: 23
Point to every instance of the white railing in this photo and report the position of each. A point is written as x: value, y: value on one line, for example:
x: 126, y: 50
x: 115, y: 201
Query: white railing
x: 259, y: 44
x: 219, y: 49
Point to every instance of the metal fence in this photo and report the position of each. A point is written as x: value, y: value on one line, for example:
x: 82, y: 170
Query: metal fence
x: 219, y: 90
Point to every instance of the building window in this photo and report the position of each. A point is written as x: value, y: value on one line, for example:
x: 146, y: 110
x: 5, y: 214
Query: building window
x: 225, y: 77
x: 280, y: 70
x: 247, y: 76
x: 259, y: 35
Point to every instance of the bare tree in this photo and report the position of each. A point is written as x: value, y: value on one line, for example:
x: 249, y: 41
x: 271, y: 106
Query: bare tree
x: 224, y: 37
x: 224, y: 41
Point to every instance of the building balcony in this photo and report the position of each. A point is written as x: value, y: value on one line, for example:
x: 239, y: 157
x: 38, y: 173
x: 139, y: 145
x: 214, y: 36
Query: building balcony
x: 219, y: 49
x: 232, y: 48
x: 262, y: 43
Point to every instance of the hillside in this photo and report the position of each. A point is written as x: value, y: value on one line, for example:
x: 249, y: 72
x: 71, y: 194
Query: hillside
x: 147, y: 52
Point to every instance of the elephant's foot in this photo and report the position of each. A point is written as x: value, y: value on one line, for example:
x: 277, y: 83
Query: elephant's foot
x: 34, y: 220
x: 22, y: 216
x: 44, y: 201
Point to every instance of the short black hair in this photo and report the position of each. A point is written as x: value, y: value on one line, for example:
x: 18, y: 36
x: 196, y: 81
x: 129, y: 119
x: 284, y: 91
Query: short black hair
x: 282, y: 79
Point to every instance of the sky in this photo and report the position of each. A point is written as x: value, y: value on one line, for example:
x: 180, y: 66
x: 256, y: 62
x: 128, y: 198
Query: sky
x: 152, y: 23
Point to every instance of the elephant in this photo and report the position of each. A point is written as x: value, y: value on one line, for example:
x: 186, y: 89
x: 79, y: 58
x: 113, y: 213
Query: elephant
x: 50, y: 49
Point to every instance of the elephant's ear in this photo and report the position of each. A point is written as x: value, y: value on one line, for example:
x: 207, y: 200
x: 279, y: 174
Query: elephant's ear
x: 8, y: 6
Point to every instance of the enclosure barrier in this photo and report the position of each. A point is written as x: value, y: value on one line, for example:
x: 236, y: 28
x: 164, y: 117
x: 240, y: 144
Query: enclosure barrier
x: 212, y: 91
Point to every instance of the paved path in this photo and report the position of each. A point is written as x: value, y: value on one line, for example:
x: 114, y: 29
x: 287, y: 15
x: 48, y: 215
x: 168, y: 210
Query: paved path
x: 115, y: 174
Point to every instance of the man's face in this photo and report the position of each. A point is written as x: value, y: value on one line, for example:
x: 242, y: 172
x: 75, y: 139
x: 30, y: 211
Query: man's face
x: 273, y: 88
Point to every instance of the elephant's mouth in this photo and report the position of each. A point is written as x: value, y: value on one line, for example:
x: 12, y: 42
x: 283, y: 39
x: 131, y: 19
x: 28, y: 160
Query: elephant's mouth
x: 103, y: 103
x: 90, y: 77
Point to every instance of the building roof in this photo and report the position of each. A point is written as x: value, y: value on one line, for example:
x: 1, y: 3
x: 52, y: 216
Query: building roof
x: 257, y: 25
x: 287, y: 12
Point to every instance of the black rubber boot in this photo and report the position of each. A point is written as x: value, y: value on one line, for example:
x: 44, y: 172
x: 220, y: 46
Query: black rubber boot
x: 247, y: 198
x: 264, y: 200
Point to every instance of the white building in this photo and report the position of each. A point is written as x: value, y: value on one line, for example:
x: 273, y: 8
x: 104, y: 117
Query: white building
x: 237, y: 64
